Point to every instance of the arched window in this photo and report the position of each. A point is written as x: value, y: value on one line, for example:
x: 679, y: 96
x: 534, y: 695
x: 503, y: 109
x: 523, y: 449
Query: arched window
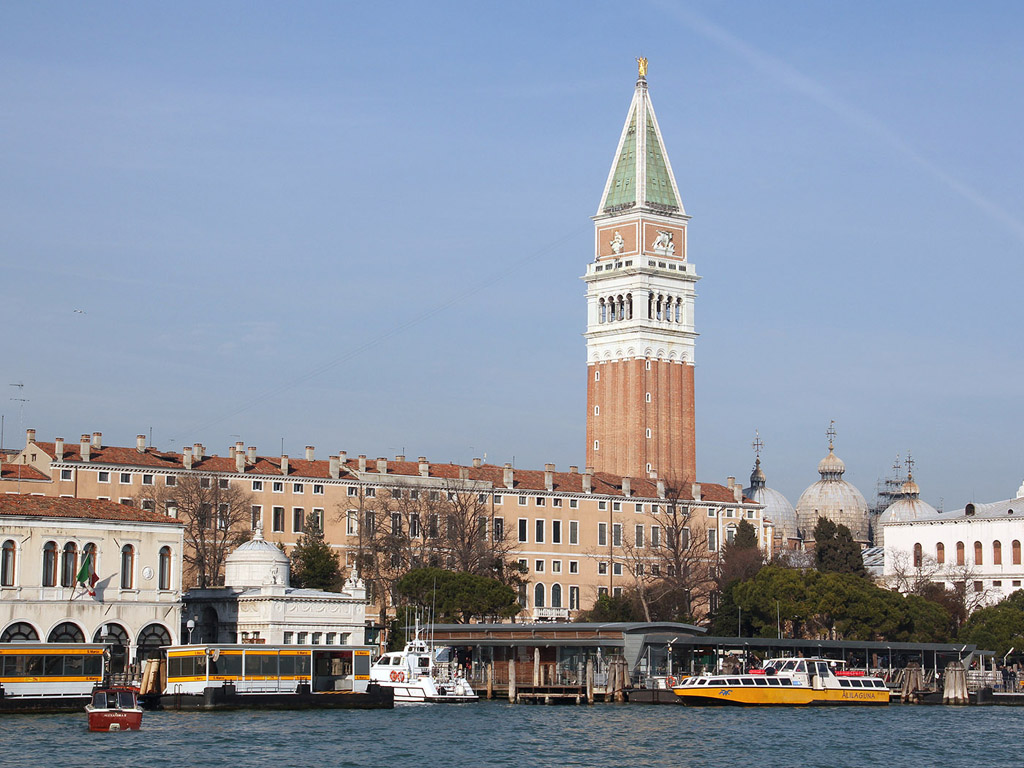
x: 940, y: 553
x: 151, y: 638
x: 556, y: 595
x: 20, y: 632
x: 127, y: 566
x: 67, y: 632
x: 1015, y: 551
x: 997, y: 553
x: 117, y: 637
x: 538, y: 596
x: 69, y: 565
x: 959, y: 553
x: 7, y: 563
x: 165, y: 568
x: 918, y: 556
x: 50, y: 564
x: 978, y: 555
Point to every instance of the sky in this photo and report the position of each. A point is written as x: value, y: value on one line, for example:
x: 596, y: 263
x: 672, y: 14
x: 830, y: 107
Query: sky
x: 362, y: 226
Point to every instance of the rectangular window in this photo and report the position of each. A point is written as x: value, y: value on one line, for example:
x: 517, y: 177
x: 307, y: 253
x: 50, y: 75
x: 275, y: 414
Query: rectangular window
x: 318, y: 489
x: 352, y: 522
x: 223, y: 483
x: 655, y: 569
x: 602, y: 569
x: 638, y: 537
x: 170, y: 481
x: 255, y: 516
x: 556, y: 531
x: 539, y: 531
x: 277, y: 523
x: 371, y: 493
x: 288, y: 638
x: 523, y: 522
x: 602, y: 505
x: 655, y: 536
x: 574, y: 598
x: 205, y: 482
x: 481, y: 498
x: 602, y: 591
x: 556, y: 502
x: 497, y: 498
x: 318, y: 514
x: 353, y: 491
x: 257, y: 485
x: 556, y: 566
x: 602, y: 534
x: 711, y: 513
x: 617, y: 569
x: 126, y: 501
x: 540, y: 501
x: 617, y: 534
x: 499, y: 528
x: 712, y: 540
x: 102, y: 477
x: 574, y: 566
x: 684, y: 538
x: 574, y: 503
x: 126, y: 478
x: 278, y: 487
x: 298, y: 519
x: 522, y: 501
x: 481, y: 527
x: 639, y: 508
x: 617, y: 592
x: 414, y: 525
x: 538, y: 566
x: 396, y: 523
x: 65, y: 474
x: 574, y: 532
x: 147, y: 479
x: 523, y: 566
x: 297, y: 487
x: 616, y: 506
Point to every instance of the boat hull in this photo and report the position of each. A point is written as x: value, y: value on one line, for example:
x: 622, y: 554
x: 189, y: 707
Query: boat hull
x: 742, y: 696
x: 115, y: 720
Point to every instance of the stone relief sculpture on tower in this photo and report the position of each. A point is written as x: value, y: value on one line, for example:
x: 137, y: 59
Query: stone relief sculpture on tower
x: 617, y: 243
x: 663, y: 244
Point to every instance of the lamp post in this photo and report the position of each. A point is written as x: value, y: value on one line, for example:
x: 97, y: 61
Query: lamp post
x: 190, y: 625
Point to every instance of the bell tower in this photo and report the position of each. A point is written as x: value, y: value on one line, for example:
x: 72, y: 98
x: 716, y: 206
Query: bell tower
x: 640, y: 326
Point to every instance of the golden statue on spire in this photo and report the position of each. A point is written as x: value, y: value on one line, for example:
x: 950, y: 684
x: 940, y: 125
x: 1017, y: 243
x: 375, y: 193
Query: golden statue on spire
x: 641, y: 64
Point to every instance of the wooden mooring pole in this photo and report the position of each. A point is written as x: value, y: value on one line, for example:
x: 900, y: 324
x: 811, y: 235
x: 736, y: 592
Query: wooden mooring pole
x: 490, y: 680
x: 512, y: 680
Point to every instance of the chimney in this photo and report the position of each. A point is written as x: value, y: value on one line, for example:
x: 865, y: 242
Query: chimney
x: 140, y: 443
x: 362, y: 462
x: 695, y: 491
x: 382, y: 466
x: 30, y: 437
x: 549, y: 477
x: 250, y: 455
x: 335, y: 467
x: 424, y: 467
x: 84, y: 448
x: 508, y: 476
x: 97, y: 439
x: 232, y: 451
x: 343, y: 458
x: 197, y: 451
x: 477, y: 463
x: 400, y: 457
x: 588, y: 480
x: 239, y: 448
x: 737, y: 492
x: 573, y: 469
x: 627, y: 486
x: 463, y: 473
x: 284, y: 464
x: 661, y: 489
x: 239, y: 460
x: 186, y: 457
x: 58, y: 448
x: 310, y: 450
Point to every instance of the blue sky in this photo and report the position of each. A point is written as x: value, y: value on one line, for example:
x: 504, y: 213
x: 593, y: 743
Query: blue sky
x: 362, y: 227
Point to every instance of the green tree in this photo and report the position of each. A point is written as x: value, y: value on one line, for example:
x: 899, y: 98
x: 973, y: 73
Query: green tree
x: 314, y: 563
x: 622, y: 607
x: 999, y: 627
x: 741, y: 560
x: 835, y: 550
x: 457, y: 597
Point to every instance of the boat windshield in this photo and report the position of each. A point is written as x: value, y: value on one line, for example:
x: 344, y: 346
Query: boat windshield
x: 125, y: 699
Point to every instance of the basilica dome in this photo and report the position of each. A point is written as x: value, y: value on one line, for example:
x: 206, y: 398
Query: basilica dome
x: 833, y: 498
x: 257, y: 563
x: 776, y: 506
x: 907, y: 508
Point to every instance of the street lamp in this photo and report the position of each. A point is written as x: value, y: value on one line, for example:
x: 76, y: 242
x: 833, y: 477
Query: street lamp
x: 190, y: 625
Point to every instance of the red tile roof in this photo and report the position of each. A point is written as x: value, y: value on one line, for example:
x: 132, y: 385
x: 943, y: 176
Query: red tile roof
x: 88, y: 509
x: 301, y: 469
x: 21, y: 472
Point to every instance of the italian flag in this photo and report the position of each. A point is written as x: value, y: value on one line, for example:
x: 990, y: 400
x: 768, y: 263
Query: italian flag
x: 87, y: 575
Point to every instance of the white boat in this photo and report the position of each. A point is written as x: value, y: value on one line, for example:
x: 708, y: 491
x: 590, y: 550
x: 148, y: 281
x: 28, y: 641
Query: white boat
x: 422, y: 672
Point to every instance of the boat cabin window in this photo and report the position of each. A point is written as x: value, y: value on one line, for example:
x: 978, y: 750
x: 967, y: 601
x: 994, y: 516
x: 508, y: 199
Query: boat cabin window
x: 821, y: 668
x: 856, y: 684
x: 735, y: 681
x: 423, y: 662
x: 844, y: 683
x: 125, y: 699
x: 397, y: 661
x: 785, y: 681
x: 788, y: 666
x: 800, y: 667
x: 760, y: 681
x: 773, y: 681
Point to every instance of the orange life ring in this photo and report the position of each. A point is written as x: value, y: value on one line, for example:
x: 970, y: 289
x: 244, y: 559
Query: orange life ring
x: 670, y: 681
x: 401, y: 677
x: 394, y: 676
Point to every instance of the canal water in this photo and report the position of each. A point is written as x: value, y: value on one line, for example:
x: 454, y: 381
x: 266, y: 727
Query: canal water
x: 523, y: 736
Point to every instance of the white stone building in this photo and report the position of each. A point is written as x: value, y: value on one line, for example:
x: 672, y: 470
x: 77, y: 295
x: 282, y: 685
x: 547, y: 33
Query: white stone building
x: 979, y: 544
x: 259, y: 605
x: 48, y: 544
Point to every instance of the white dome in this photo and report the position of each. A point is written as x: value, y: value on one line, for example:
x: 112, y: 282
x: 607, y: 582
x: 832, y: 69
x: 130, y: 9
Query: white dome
x: 835, y: 499
x: 256, y: 563
x: 776, y: 506
x: 907, y: 509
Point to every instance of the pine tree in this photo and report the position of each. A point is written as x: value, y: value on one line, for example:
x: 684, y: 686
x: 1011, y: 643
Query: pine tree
x: 314, y: 563
x: 835, y: 550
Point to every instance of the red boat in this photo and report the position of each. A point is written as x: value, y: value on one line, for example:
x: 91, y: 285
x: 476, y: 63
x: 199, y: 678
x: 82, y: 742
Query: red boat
x: 114, y: 709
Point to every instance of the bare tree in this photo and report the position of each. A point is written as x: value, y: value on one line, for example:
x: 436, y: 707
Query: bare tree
x: 216, y: 514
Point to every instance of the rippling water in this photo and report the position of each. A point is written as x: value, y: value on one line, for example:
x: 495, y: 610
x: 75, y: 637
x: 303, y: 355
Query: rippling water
x: 499, y: 734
